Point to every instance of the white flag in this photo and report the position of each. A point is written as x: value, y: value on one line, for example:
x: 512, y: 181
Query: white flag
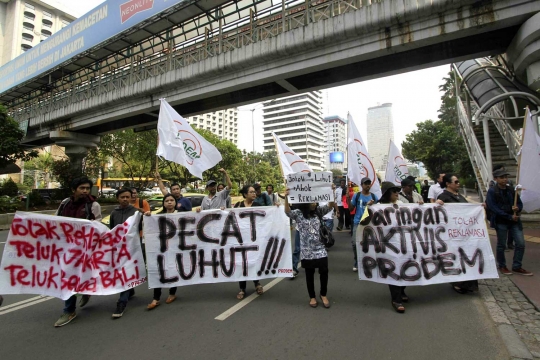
x: 290, y: 162
x: 180, y: 143
x: 358, y: 161
x: 396, y: 168
x: 529, y: 170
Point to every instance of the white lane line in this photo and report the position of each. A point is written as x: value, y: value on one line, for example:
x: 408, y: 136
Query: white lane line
x: 3, y: 242
x: 22, y: 304
x: 247, y: 300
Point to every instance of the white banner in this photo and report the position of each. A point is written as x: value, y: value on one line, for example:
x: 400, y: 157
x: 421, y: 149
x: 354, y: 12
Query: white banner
x: 180, y: 143
x: 396, y: 168
x: 425, y: 244
x: 216, y: 246
x: 358, y: 160
x: 290, y: 162
x: 529, y: 170
x: 60, y: 257
x: 310, y: 187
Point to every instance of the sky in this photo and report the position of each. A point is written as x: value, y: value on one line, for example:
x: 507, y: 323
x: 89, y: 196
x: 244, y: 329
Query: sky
x: 415, y: 96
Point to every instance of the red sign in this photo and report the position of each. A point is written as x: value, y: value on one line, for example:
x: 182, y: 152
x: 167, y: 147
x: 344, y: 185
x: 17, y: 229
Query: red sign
x: 133, y: 7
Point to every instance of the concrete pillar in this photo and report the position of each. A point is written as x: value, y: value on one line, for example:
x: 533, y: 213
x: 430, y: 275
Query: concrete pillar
x: 524, y: 53
x: 76, y: 146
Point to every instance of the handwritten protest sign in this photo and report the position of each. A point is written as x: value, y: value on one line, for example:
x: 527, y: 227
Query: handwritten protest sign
x: 310, y: 187
x: 425, y: 244
x: 60, y: 256
x: 217, y: 246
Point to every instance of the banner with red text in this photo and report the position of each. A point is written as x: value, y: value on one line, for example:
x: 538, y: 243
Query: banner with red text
x: 215, y: 246
x: 60, y: 256
x: 411, y: 244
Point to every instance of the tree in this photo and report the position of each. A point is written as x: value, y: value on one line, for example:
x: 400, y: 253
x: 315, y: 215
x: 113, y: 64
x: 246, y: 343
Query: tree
x: 43, y: 163
x: 9, y: 188
x: 11, y: 149
x: 336, y: 172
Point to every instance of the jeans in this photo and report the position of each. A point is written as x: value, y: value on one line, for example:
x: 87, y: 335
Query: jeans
x: 296, y: 252
x: 329, y: 223
x: 353, y: 242
x: 344, y: 217
x: 244, y: 283
x: 70, y: 305
x: 125, y: 295
x: 157, y: 292
x: 396, y: 292
x: 502, y: 235
x: 310, y: 281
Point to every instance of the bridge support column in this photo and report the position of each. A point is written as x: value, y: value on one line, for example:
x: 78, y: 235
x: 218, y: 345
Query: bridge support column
x: 76, y: 145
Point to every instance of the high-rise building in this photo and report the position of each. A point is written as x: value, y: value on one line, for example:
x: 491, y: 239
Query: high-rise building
x: 26, y: 23
x: 223, y: 123
x: 297, y: 121
x: 380, y: 130
x: 336, y: 142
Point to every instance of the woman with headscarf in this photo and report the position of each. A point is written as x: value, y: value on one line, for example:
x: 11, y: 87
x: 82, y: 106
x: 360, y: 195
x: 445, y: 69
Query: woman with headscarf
x: 450, y: 194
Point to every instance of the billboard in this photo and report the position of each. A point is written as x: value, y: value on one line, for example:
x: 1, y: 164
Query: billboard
x: 95, y: 27
x: 336, y: 157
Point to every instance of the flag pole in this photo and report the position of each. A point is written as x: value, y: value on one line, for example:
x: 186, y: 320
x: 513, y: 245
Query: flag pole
x: 516, y: 192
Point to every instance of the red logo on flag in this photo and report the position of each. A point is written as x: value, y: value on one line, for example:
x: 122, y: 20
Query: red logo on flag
x: 132, y: 7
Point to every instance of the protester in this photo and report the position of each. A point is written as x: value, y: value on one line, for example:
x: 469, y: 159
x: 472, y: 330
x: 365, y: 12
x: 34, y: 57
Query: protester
x: 352, y: 212
x: 80, y: 205
x: 359, y: 202
x: 339, y: 203
x: 273, y: 196
x: 118, y: 216
x: 182, y: 204
x: 312, y: 251
x: 262, y: 197
x: 221, y: 187
x: 214, y: 199
x: 329, y: 217
x: 450, y: 194
x: 435, y: 190
x: 137, y: 202
x: 169, y: 204
x: 425, y: 191
x: 505, y: 218
x: 249, y: 194
x: 407, y: 194
x: 390, y: 195
x: 492, y: 183
x: 346, y: 213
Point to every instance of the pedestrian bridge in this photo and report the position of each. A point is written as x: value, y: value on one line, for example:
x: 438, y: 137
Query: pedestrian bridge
x: 246, y: 51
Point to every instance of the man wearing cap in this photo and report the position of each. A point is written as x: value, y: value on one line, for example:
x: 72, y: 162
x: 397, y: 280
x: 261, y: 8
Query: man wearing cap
x: 359, y: 202
x: 435, y: 190
x: 262, y: 197
x: 407, y: 194
x: 505, y: 218
x: 216, y: 199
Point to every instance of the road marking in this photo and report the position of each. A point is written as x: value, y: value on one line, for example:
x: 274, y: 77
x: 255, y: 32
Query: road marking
x: 247, y: 300
x: 3, y: 242
x: 22, y: 304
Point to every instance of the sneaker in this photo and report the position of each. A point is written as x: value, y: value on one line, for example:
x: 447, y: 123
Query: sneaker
x: 120, y: 308
x: 522, y: 271
x: 505, y: 271
x: 65, y: 319
x: 84, y: 300
x: 294, y: 274
x: 355, y: 269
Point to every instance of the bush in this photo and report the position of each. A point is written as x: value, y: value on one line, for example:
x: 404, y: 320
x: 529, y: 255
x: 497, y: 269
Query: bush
x: 9, y: 188
x: 8, y: 205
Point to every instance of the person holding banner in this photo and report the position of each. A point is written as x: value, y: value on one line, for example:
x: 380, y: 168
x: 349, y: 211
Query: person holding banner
x: 450, y: 194
x: 249, y: 194
x: 80, y: 205
x: 214, y: 199
x: 118, y: 216
x: 390, y: 195
x: 169, y: 207
x: 313, y: 254
x: 407, y: 194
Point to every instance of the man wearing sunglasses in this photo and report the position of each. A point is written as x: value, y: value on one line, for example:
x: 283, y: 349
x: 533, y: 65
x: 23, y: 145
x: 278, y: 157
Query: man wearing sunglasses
x: 359, y: 202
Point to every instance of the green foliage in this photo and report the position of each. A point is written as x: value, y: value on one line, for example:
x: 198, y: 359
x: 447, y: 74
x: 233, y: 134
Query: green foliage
x: 336, y: 172
x: 10, y: 146
x: 9, y: 188
x: 43, y: 163
x: 64, y: 173
x: 8, y: 205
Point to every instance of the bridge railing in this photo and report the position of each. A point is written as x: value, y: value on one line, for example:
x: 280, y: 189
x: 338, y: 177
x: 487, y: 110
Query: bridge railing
x: 510, y: 136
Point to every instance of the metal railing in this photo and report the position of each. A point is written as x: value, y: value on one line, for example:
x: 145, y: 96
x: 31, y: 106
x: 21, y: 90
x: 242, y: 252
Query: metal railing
x: 509, y: 135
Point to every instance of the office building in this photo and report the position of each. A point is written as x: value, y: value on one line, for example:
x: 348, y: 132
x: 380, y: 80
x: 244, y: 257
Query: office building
x: 380, y: 130
x: 223, y: 123
x: 335, y: 128
x: 297, y: 121
x: 25, y: 23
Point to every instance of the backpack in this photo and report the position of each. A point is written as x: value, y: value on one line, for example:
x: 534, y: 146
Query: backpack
x: 87, y: 209
x: 358, y: 197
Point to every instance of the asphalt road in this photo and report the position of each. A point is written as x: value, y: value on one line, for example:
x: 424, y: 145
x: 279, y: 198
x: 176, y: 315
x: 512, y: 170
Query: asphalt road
x: 438, y: 323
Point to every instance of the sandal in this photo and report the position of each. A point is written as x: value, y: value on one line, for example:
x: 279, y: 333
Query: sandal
x: 154, y: 304
x: 404, y: 298
x: 313, y: 305
x: 325, y: 304
x: 459, y: 290
x: 259, y: 289
x: 170, y: 299
x: 241, y: 295
x: 398, y: 307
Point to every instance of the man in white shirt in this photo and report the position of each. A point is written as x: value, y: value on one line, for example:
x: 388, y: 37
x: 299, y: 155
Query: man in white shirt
x: 339, y: 203
x: 435, y: 190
